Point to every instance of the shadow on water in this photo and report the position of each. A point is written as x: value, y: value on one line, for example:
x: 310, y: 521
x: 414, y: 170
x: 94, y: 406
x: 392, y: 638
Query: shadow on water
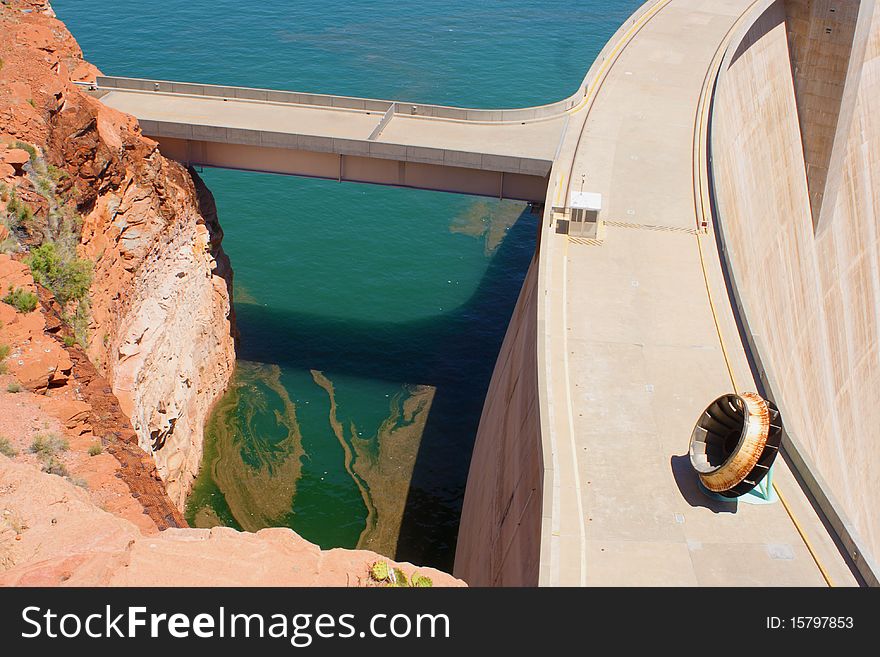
x: 454, y: 352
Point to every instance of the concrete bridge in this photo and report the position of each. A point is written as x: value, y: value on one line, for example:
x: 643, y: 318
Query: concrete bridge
x: 498, y: 153
x: 727, y: 138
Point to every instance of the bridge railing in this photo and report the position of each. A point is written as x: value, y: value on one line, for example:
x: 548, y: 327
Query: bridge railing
x: 339, y: 102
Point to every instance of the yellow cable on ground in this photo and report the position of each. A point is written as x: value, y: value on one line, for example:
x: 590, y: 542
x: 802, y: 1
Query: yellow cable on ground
x: 701, y: 208
x: 809, y: 545
x: 788, y: 510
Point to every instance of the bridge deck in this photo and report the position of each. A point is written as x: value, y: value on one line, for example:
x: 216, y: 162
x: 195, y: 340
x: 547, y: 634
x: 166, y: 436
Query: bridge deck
x: 243, y: 114
x: 535, y: 139
x: 506, y: 154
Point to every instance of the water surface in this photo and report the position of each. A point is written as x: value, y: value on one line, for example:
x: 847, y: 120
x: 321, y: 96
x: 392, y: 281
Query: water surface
x: 370, y: 317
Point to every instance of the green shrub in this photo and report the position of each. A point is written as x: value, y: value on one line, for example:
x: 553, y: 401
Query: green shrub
x: 18, y: 212
x: 4, y: 353
x: 22, y: 300
x: 48, y: 445
x: 6, y: 448
x: 57, y: 174
x: 69, y: 340
x: 9, y: 245
x: 54, y: 466
x: 95, y: 449
x: 13, y: 387
x: 68, y: 279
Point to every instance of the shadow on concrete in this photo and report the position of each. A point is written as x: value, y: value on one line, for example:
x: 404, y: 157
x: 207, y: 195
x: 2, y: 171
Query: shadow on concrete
x: 689, y: 487
x: 766, y: 23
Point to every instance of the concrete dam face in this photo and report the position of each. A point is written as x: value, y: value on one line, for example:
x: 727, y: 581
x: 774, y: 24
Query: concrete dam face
x: 796, y: 163
x: 788, y: 96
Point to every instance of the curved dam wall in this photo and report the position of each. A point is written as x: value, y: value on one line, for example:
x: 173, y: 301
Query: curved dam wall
x: 500, y: 538
x: 795, y: 159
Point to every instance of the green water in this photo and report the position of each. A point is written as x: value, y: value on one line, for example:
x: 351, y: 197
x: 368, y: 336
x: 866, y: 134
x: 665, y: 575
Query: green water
x: 370, y: 318
x: 397, y: 297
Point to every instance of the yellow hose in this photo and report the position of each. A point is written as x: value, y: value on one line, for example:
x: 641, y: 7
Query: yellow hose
x: 788, y: 510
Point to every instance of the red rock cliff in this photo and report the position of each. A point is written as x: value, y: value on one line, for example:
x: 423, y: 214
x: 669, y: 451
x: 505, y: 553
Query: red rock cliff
x: 159, y: 327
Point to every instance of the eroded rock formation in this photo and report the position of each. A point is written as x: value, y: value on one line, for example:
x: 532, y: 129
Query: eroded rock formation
x: 160, y: 328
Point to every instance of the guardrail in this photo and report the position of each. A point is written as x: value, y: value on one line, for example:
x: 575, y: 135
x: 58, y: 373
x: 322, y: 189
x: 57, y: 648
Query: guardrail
x: 422, y: 110
x: 339, y: 102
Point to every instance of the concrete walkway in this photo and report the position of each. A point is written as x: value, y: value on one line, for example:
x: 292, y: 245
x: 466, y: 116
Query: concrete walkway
x: 532, y: 139
x: 642, y: 351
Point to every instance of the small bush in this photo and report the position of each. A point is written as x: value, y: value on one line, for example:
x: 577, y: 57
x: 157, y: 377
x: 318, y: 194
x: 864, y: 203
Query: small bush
x: 17, y: 523
x: 69, y: 340
x: 13, y: 387
x: 19, y: 213
x: 79, y: 322
x: 78, y: 481
x: 4, y: 352
x: 95, y: 449
x: 54, y: 466
x: 48, y: 445
x: 68, y: 279
x: 6, y: 448
x: 9, y: 245
x: 22, y: 300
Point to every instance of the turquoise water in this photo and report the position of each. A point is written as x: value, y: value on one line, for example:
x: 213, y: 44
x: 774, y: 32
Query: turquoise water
x: 370, y: 318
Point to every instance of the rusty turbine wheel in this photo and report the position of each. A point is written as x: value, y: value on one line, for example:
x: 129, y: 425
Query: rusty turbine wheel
x: 735, y: 442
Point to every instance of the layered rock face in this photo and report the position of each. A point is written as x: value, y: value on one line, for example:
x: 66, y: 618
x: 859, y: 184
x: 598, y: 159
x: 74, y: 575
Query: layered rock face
x: 160, y: 328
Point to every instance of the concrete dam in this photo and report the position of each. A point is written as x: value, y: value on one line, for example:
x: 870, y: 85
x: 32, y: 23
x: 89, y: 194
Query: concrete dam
x: 729, y: 154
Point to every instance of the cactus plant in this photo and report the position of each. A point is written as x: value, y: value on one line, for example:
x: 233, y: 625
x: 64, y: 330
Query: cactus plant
x: 380, y: 571
x: 421, y: 581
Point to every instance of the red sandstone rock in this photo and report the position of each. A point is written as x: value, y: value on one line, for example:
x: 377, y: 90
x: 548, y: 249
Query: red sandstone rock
x: 15, y: 158
x: 67, y: 541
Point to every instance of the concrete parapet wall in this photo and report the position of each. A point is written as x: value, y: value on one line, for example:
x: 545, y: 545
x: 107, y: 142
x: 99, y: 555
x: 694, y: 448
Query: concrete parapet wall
x: 535, y: 113
x: 810, y: 298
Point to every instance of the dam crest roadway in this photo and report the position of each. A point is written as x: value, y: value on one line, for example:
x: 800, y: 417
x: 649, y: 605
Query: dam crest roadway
x: 622, y: 334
